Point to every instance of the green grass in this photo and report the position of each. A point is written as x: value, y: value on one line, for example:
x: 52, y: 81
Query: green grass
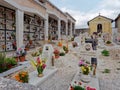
x: 106, y: 71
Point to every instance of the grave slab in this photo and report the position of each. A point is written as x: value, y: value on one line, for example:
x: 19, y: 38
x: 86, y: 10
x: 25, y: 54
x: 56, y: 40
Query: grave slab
x: 36, y: 81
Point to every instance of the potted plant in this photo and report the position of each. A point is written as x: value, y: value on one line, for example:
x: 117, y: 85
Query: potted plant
x: 74, y: 44
x: 22, y: 76
x: 27, y: 47
x: 108, y: 42
x: 62, y: 54
x: 10, y: 62
x: 40, y: 66
x: 77, y: 86
x: 56, y: 53
x: 6, y: 63
x: 65, y: 49
x: 2, y: 62
x: 105, y: 53
x: 85, y: 70
x: 60, y: 44
x: 21, y: 53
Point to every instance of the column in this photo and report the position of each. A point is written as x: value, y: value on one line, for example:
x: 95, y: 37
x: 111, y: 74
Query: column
x: 66, y: 28
x: 59, y: 29
x: 71, y: 29
x: 46, y: 27
x: 19, y: 27
x: 74, y: 28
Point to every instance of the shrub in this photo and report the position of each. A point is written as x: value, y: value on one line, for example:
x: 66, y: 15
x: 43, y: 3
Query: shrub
x: 62, y: 54
x: 65, y: 49
x: 105, y: 53
x: 106, y: 71
x: 72, y: 39
x: 6, y: 63
x: 108, y: 42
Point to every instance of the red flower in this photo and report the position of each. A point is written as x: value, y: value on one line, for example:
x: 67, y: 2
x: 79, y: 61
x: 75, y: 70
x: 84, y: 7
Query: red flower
x: 80, y: 83
x: 43, y: 66
x: 38, y: 60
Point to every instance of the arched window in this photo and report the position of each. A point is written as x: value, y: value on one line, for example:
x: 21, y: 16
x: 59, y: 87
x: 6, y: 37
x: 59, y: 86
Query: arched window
x: 99, y: 28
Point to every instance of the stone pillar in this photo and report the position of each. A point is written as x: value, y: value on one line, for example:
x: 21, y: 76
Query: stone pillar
x: 71, y: 33
x: 19, y: 27
x: 74, y: 28
x: 66, y: 28
x: 59, y: 29
x: 46, y: 27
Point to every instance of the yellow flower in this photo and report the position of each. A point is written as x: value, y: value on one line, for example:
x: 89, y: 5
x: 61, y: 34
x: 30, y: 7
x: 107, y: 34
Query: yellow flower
x: 33, y: 63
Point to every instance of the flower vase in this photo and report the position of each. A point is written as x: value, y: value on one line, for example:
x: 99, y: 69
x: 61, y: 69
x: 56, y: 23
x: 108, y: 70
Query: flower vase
x: 22, y: 58
x: 40, y: 71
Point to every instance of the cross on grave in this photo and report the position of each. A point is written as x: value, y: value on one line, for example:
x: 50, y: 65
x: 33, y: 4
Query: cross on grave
x: 78, y: 40
x: 48, y: 53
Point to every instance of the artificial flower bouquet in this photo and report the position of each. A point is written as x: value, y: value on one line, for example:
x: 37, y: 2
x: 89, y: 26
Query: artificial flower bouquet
x: 65, y: 48
x: 21, y: 53
x: 22, y: 76
x: 85, y: 67
x: 56, y: 53
x: 80, y: 86
x: 76, y: 86
x: 39, y: 65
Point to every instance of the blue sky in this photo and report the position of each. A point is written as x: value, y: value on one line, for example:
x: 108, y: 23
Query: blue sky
x: 85, y: 10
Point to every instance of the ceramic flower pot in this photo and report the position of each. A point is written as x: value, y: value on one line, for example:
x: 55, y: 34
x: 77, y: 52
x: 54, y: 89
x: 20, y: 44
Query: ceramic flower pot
x: 16, y: 58
x: 22, y: 58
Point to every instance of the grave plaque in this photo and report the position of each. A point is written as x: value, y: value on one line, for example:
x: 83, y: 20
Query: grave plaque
x: 94, y: 61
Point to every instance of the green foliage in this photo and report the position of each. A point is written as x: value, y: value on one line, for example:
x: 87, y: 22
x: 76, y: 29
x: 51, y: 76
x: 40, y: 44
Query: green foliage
x: 2, y: 57
x: 34, y: 54
x: 62, y: 54
x: 79, y: 88
x: 72, y: 39
x: 105, y: 53
x: 106, y: 71
x: 65, y: 48
x: 108, y: 42
x: 6, y: 63
x: 11, y: 61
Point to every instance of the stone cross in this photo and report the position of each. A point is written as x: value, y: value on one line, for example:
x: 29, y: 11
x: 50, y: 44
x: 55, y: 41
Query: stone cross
x: 48, y: 53
x: 78, y: 40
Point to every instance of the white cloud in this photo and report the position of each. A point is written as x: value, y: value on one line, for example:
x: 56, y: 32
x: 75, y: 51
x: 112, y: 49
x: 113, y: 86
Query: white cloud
x: 108, y: 8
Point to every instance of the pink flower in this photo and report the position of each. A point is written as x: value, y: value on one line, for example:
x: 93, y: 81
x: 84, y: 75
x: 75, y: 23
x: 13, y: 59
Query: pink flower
x: 19, y: 49
x: 43, y: 66
x: 38, y: 60
x: 81, y: 63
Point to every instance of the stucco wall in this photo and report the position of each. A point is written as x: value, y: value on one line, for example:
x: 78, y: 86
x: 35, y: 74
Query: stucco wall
x: 31, y: 4
x: 118, y: 24
x: 106, y: 25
